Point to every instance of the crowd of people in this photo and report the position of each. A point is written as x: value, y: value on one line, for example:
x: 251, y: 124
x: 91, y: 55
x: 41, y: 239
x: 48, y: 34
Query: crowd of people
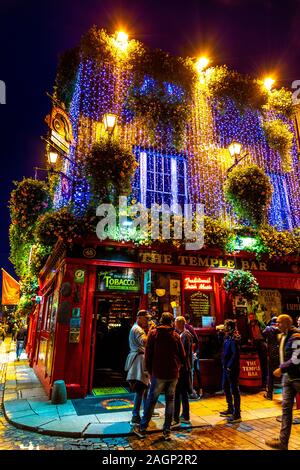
x: 163, y: 359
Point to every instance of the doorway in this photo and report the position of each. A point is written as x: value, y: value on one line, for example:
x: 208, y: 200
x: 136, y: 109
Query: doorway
x: 115, y: 316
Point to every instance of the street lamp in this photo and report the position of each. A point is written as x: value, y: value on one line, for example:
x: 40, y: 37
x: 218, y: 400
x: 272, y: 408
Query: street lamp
x: 52, y: 158
x: 109, y: 121
x: 235, y: 149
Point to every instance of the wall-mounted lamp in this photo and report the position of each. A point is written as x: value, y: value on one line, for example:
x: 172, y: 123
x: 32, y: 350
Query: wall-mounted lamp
x: 235, y: 149
x: 52, y: 158
x: 109, y: 121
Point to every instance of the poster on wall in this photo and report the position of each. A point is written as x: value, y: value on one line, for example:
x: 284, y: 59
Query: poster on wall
x: 175, y: 287
x: 268, y: 304
x: 197, y: 305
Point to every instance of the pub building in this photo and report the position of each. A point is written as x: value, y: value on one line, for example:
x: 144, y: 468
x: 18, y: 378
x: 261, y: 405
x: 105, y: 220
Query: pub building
x: 90, y: 291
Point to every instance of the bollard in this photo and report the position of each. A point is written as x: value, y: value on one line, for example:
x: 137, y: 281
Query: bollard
x: 59, y: 393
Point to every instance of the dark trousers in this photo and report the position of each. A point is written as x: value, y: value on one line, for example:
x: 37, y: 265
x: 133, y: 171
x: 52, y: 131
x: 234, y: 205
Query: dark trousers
x: 289, y: 391
x: 231, y: 389
x: 182, y: 397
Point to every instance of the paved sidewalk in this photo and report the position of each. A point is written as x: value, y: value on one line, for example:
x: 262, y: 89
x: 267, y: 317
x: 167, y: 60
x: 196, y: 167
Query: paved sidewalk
x: 26, y: 406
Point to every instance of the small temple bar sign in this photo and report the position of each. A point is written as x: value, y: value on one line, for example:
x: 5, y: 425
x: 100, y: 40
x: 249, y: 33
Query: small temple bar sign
x: 203, y: 261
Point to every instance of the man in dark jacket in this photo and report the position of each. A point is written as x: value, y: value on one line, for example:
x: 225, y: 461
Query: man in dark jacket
x: 184, y: 384
x: 289, y: 370
x: 231, y: 370
x: 271, y: 333
x: 164, y: 355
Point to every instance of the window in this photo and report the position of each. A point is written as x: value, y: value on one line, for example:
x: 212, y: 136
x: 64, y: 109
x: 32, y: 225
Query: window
x: 160, y: 179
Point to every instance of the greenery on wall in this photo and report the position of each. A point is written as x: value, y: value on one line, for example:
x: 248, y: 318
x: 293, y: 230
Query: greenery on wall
x: 30, y: 199
x: 239, y: 282
x: 249, y: 191
x: 109, y: 168
x: 242, y: 89
x: 281, y: 102
x: 280, y: 139
x: 66, y: 76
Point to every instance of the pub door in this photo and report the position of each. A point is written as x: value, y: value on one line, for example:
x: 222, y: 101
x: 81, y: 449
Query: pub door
x: 115, y: 315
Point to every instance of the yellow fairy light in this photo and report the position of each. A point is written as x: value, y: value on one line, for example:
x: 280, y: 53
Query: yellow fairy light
x: 122, y: 40
x: 268, y: 83
x: 202, y: 63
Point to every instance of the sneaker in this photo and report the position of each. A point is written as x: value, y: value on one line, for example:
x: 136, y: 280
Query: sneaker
x: 141, y: 433
x: 276, y: 444
x: 135, y: 420
x: 234, y: 419
x: 185, y: 421
x: 167, y: 435
x: 226, y: 413
x: 194, y: 396
x: 175, y: 425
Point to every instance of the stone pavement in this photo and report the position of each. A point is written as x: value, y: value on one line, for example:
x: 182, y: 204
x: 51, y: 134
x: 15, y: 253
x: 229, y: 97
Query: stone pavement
x: 26, y: 406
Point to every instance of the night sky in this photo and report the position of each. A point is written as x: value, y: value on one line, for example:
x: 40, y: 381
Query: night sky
x: 255, y: 37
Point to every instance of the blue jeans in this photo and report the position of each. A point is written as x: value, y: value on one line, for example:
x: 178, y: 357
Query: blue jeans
x: 157, y: 387
x: 182, y: 396
x: 231, y: 388
x: 290, y: 388
x: 139, y: 397
x: 19, y: 348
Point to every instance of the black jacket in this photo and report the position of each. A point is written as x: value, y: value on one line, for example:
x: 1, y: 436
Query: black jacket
x: 231, y: 353
x: 291, y: 364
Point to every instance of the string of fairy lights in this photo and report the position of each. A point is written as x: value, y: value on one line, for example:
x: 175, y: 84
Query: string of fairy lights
x: 103, y: 88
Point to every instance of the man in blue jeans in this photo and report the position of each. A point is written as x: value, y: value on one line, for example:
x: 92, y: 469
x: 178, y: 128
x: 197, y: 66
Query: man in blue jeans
x: 289, y: 370
x: 164, y: 355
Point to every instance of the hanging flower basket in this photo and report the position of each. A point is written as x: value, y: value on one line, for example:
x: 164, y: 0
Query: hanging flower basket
x: 238, y: 282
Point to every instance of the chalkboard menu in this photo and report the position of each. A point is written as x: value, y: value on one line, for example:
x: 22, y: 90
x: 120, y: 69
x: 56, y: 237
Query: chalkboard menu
x: 197, y: 304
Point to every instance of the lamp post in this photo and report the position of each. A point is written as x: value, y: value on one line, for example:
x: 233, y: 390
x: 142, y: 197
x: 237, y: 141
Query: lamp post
x: 235, y: 149
x: 109, y: 121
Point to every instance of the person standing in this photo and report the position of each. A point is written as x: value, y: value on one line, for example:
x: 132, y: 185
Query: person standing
x: 137, y: 375
x: 21, y: 336
x: 289, y: 370
x: 231, y: 370
x: 164, y: 355
x: 195, y: 370
x: 271, y: 333
x: 184, y: 384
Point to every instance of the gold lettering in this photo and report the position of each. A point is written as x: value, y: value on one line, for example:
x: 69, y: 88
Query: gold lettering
x: 193, y: 261
x: 253, y: 266
x: 183, y: 259
x: 263, y: 266
x: 167, y: 259
x: 214, y: 262
x: 222, y: 263
x: 245, y: 265
x: 145, y: 257
x: 230, y: 263
x: 156, y: 258
x: 203, y: 262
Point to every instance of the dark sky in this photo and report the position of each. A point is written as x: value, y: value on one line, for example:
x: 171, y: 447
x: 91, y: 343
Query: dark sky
x: 253, y: 36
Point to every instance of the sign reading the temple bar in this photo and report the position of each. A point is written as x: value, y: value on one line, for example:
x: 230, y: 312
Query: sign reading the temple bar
x: 118, y: 279
x: 198, y: 283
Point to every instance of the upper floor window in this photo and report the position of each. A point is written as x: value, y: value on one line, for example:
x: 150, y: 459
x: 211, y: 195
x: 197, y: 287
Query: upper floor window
x: 160, y: 179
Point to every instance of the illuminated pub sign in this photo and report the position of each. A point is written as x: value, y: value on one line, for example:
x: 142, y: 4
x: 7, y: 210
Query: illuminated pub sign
x: 202, y: 283
x: 118, y: 279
